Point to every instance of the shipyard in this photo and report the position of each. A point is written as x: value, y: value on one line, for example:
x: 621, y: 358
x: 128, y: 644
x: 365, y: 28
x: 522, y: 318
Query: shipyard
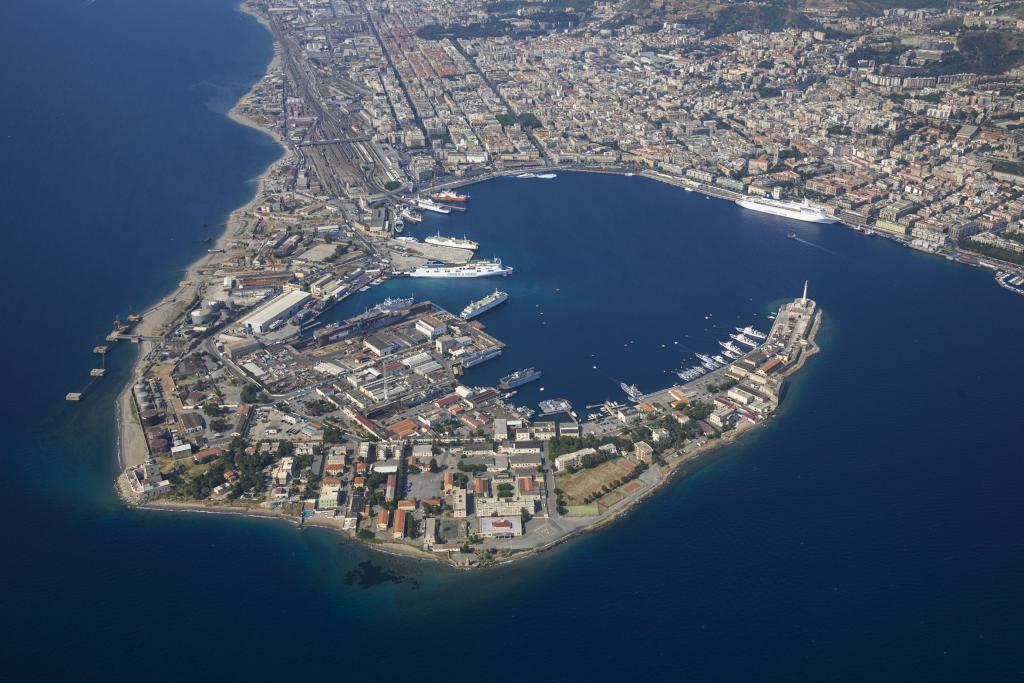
x: 366, y: 426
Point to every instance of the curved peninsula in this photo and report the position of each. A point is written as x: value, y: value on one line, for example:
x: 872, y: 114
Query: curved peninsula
x: 243, y: 401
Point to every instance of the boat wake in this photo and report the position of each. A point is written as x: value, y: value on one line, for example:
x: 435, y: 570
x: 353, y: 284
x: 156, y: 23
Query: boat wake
x: 816, y: 246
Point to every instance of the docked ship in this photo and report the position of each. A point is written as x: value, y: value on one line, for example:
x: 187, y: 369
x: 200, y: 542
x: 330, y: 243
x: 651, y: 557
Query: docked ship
x: 428, y: 205
x: 519, y: 378
x: 707, y: 361
x: 751, y: 332
x: 471, y: 269
x: 408, y: 214
x: 743, y: 339
x: 475, y: 308
x: 632, y: 391
x: 448, y: 196
x: 730, y: 348
x: 397, y: 304
x: 481, y: 356
x: 442, y: 241
x: 690, y: 374
x: 795, y: 210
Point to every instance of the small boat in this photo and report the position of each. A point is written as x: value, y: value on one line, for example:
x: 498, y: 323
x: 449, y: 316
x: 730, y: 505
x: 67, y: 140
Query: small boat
x: 791, y: 235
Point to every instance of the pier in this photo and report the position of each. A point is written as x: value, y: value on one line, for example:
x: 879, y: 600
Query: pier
x: 119, y: 332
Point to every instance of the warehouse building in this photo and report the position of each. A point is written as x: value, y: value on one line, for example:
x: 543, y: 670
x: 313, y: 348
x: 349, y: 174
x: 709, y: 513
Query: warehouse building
x: 280, y: 308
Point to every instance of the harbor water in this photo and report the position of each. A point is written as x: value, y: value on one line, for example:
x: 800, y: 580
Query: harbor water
x: 871, y: 531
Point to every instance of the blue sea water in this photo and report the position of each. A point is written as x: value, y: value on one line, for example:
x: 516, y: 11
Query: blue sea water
x: 870, y: 532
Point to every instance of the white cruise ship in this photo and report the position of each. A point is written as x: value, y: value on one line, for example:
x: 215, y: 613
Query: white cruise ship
x: 471, y: 269
x: 475, y: 308
x: 795, y: 210
x: 442, y: 241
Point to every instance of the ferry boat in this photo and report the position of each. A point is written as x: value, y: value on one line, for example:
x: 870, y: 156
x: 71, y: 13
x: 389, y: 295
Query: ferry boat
x: 475, y: 308
x: 448, y: 196
x: 442, y: 241
x: 519, y: 378
x: 428, y: 205
x: 481, y: 356
x: 471, y: 269
x: 751, y: 332
x: 632, y: 391
x: 795, y: 210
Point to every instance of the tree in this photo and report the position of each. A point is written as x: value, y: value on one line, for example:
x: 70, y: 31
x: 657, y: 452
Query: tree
x: 433, y: 465
x: 251, y: 394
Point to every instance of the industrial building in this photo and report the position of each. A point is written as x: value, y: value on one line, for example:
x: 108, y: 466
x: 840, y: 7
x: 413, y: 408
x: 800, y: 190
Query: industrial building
x: 280, y: 308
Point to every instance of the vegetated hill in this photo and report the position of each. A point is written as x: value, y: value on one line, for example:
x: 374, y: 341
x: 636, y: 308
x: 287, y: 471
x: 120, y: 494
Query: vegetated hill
x: 713, y: 17
x: 718, y: 17
x: 985, y: 52
x: 980, y: 52
x: 874, y: 8
x: 516, y: 18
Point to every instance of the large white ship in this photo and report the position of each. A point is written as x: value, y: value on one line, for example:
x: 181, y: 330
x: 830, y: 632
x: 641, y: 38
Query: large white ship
x: 475, y: 308
x: 795, y: 210
x: 442, y: 241
x: 481, y: 356
x: 471, y: 269
x: 519, y: 378
x: 428, y: 205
